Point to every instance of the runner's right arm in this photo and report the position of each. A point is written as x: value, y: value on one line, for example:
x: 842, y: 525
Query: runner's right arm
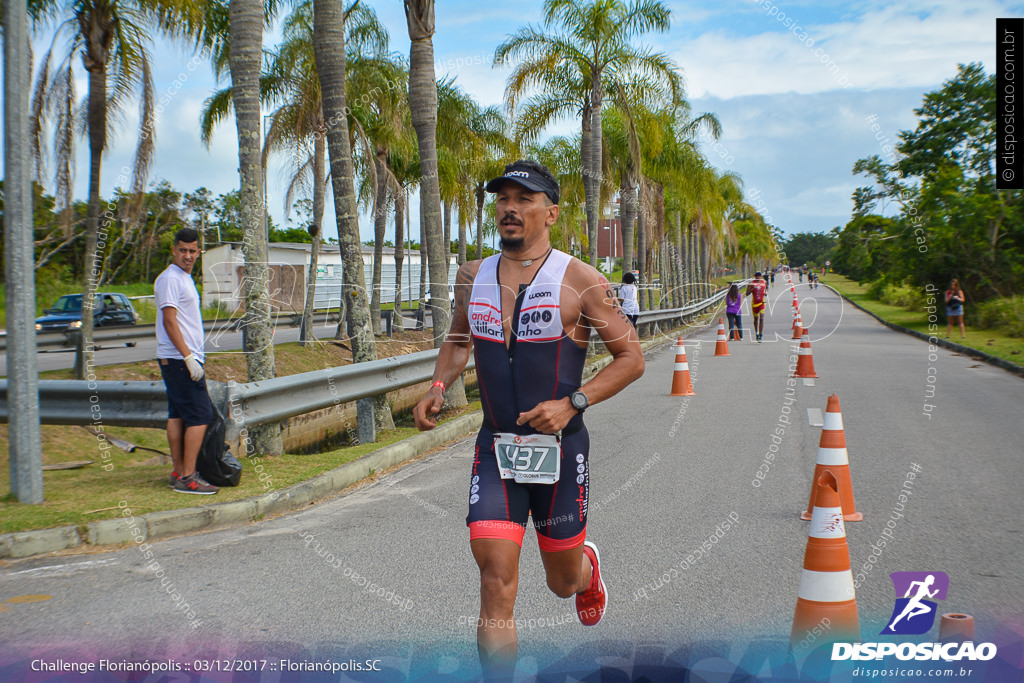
x: 454, y: 352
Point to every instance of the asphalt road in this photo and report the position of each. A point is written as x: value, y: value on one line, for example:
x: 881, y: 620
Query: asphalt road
x: 667, y: 474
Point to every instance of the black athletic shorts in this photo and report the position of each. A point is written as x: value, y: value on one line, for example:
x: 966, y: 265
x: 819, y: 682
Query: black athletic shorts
x: 186, y: 399
x: 499, y: 508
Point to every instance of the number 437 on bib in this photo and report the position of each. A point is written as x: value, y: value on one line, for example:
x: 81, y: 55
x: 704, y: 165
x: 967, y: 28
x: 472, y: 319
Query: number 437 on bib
x: 528, y: 458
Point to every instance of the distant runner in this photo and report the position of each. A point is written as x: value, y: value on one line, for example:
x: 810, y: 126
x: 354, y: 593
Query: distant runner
x: 527, y: 314
x: 756, y: 290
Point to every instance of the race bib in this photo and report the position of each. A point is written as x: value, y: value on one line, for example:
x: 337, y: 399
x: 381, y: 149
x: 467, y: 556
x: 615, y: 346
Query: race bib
x: 530, y: 458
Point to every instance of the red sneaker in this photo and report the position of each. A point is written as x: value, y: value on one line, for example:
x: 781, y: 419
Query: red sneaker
x: 590, y: 603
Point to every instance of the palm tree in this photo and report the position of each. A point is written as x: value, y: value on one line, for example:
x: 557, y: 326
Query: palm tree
x: 562, y: 157
x: 380, y: 125
x: 419, y: 16
x: 459, y: 153
x: 291, y: 82
x: 403, y: 169
x: 329, y: 47
x: 589, y: 41
x: 112, y: 39
x: 497, y: 150
x: 246, y: 48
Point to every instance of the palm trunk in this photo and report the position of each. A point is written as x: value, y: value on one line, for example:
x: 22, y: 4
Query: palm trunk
x: 246, y: 27
x: 691, y: 267
x: 97, y: 122
x: 419, y: 16
x: 447, y: 206
x: 399, y: 255
x: 586, y: 152
x: 380, y: 223
x: 424, y: 273
x: 306, y: 335
x: 678, y: 261
x: 664, y: 277
x: 462, y: 238
x: 641, y: 247
x: 628, y: 198
x: 329, y: 45
x: 596, y: 159
x: 481, y: 196
x: 705, y: 259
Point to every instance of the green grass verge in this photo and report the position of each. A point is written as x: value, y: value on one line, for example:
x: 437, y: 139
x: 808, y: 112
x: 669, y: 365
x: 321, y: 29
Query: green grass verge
x: 80, y: 496
x: 992, y: 342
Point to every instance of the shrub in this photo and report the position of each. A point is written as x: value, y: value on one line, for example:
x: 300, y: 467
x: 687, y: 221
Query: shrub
x: 1006, y: 315
x: 905, y: 296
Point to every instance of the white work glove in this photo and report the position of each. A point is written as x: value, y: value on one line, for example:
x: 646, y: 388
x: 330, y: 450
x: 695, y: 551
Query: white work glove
x: 195, y: 368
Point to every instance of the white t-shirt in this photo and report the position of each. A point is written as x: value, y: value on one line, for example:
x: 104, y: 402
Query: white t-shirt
x: 174, y: 287
x: 630, y: 305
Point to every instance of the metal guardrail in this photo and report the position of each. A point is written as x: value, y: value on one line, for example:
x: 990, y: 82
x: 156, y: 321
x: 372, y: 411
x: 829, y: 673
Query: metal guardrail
x: 136, y: 333
x: 144, y: 404
x: 256, y: 403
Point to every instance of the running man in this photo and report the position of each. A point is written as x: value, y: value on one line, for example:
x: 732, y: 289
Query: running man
x: 527, y: 314
x: 756, y: 291
x: 915, y: 607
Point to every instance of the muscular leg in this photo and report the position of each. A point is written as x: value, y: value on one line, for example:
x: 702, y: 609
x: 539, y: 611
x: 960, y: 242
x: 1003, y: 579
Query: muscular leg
x: 176, y: 440
x: 568, y: 571
x: 496, y: 640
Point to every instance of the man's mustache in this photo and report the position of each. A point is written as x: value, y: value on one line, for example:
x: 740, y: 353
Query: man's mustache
x: 509, y: 219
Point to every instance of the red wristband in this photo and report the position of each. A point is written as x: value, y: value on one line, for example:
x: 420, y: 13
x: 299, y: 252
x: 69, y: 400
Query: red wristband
x: 438, y: 383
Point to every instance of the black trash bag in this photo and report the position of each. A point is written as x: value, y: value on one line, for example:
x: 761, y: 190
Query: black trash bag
x: 215, y: 462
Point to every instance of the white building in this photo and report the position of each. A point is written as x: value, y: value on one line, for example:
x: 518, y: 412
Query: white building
x: 223, y: 268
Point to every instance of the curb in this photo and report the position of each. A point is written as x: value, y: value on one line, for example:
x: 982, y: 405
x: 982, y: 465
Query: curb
x: 167, y: 523
x: 1001, y: 363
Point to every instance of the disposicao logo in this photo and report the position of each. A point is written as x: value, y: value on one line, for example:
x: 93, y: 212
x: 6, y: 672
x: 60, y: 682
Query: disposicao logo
x: 914, y: 612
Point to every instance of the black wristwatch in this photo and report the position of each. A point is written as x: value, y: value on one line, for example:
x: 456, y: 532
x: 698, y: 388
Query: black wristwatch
x: 579, y: 400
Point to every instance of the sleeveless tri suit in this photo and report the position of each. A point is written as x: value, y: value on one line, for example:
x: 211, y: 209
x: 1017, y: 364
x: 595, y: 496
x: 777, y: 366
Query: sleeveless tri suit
x: 540, y: 363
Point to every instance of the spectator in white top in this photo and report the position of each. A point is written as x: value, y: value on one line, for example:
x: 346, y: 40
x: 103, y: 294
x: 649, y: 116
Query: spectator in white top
x: 179, y: 336
x: 628, y: 295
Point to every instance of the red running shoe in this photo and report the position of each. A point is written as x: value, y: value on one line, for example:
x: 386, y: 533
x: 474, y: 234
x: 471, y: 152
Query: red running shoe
x: 590, y: 603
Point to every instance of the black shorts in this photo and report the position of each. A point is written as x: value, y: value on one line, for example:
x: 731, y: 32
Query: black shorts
x: 499, y: 508
x: 186, y: 400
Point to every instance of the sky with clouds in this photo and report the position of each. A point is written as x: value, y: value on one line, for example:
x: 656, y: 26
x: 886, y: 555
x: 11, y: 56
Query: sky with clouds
x: 793, y: 83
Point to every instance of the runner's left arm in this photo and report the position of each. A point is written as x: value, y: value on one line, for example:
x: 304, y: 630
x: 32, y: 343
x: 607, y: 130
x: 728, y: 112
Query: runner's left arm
x: 601, y: 311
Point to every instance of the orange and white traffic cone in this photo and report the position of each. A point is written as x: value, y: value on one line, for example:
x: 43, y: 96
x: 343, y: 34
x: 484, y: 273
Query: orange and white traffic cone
x: 681, y: 384
x: 798, y: 325
x: 956, y: 628
x: 832, y: 455
x: 805, y: 361
x: 826, y: 594
x: 721, y: 343
x: 735, y: 334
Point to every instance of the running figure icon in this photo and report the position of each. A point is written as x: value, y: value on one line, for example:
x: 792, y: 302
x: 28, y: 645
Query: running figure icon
x: 915, y: 607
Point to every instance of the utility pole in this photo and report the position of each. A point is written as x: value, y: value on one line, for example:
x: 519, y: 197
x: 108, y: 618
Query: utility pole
x: 26, y: 458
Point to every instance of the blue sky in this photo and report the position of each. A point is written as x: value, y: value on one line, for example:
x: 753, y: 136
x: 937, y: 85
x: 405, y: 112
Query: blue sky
x: 793, y: 82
